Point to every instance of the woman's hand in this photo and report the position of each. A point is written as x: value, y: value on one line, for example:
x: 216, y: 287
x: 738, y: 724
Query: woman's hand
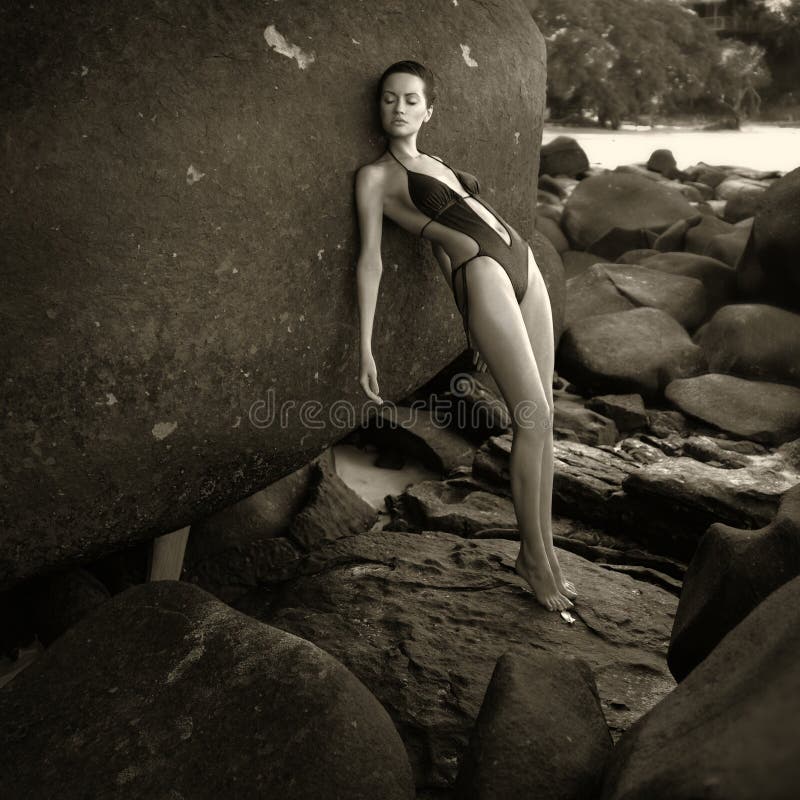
x: 369, y: 378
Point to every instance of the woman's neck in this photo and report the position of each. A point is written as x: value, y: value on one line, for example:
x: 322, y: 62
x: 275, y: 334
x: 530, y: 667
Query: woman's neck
x: 404, y: 147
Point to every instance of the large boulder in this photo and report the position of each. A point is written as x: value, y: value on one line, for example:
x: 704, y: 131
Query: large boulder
x: 180, y: 237
x: 165, y: 686
x: 664, y: 504
x: 421, y: 619
x: 663, y: 161
x: 743, y: 196
x: 577, y: 261
x: 551, y: 266
x: 699, y: 237
x: 604, y: 288
x: 540, y: 732
x: 732, y: 572
x: 608, y: 214
x: 674, y: 500
x: 718, y: 278
x: 763, y: 411
x: 776, y: 232
x: 563, y: 156
x: 753, y: 340
x: 641, y: 351
x: 730, y: 730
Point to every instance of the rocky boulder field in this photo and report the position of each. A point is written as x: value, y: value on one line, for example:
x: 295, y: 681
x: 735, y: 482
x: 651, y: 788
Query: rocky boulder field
x: 318, y: 645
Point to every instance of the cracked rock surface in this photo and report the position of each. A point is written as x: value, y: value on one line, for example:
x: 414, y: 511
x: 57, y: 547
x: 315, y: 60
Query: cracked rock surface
x: 421, y: 618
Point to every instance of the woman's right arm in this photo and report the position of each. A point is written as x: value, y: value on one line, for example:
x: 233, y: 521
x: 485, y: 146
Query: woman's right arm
x: 369, y: 203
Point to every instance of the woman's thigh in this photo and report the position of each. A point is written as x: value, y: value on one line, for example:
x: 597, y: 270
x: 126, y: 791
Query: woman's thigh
x: 538, y: 318
x: 498, y: 329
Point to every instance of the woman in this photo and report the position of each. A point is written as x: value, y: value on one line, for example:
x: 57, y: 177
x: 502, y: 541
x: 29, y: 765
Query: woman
x: 504, y: 302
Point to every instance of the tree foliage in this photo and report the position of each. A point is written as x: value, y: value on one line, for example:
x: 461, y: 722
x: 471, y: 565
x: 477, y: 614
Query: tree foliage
x: 618, y: 59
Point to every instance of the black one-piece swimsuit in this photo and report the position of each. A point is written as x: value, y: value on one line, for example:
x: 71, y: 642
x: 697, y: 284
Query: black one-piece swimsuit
x: 442, y: 204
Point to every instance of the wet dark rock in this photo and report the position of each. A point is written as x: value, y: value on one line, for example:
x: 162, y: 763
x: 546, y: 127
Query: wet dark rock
x: 58, y: 601
x: 163, y: 685
x: 690, y: 192
x: 578, y: 261
x: 699, y: 237
x: 674, y: 237
x: 573, y: 420
x: 743, y: 197
x: 729, y: 247
x: 540, y: 732
x: 423, y: 434
x: 759, y: 410
x: 705, y: 173
x: 421, y: 619
x: 636, y: 256
x: 470, y: 507
x: 666, y: 423
x: 665, y: 503
x: 776, y: 234
x: 475, y: 406
x: 593, y: 292
x: 705, y: 191
x: 744, y: 205
x: 237, y: 565
x: 626, y: 410
x: 732, y: 572
x: 718, y: 278
x: 552, y: 230
x: 544, y: 198
x: 604, y: 288
x: 549, y: 262
x: 753, y: 340
x: 730, y: 729
x: 642, y: 171
x: 551, y: 212
x: 455, y: 506
x: 563, y: 156
x: 676, y: 499
x: 333, y: 510
x: 549, y: 184
x: 262, y: 515
x: 664, y: 162
x: 638, y: 351
x: 628, y: 204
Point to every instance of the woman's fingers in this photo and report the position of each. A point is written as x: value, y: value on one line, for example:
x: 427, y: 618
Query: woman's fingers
x: 370, y: 386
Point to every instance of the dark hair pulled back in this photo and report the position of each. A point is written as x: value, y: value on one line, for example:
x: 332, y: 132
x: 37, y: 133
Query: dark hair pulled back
x: 412, y: 68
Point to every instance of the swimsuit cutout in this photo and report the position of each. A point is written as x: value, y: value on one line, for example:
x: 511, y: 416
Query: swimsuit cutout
x: 438, y: 201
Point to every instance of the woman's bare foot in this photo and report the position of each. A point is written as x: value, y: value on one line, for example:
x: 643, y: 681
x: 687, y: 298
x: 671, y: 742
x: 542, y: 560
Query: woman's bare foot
x: 540, y: 579
x: 567, y: 588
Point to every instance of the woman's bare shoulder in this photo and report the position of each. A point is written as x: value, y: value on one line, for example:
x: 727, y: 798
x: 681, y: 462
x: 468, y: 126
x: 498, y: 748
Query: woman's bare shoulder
x: 374, y: 173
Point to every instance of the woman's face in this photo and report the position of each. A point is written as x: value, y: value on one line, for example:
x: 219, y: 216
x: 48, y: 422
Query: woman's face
x: 403, y: 108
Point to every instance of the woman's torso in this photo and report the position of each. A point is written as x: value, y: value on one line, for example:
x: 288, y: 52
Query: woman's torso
x: 430, y: 199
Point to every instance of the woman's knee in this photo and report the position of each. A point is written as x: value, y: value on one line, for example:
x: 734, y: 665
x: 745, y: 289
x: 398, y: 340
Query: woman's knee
x: 531, y: 418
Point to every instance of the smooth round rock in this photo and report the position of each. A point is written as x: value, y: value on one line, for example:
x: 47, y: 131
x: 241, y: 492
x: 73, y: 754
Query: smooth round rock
x: 563, y: 156
x: 753, y: 340
x: 617, y: 201
x: 164, y: 691
x: 636, y: 351
x: 776, y: 232
x: 763, y: 411
x: 730, y: 729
